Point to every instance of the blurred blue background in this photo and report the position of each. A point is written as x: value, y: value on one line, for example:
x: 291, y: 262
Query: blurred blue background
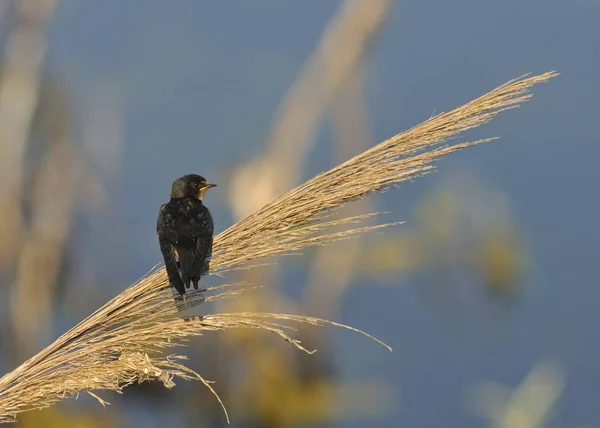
x: 160, y: 89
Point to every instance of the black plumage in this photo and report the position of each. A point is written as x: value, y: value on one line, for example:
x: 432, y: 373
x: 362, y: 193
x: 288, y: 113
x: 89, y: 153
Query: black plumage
x: 185, y: 232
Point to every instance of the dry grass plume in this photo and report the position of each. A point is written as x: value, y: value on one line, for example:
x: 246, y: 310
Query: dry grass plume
x: 130, y: 338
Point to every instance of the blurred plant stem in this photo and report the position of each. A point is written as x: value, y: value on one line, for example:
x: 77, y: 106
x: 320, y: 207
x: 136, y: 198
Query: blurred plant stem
x: 40, y: 171
x: 331, y: 78
x: 19, y: 92
x: 334, y: 267
x: 338, y: 54
x: 36, y: 248
x: 530, y: 405
x: 43, y: 248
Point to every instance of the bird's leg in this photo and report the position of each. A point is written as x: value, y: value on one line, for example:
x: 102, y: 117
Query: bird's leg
x: 195, y: 318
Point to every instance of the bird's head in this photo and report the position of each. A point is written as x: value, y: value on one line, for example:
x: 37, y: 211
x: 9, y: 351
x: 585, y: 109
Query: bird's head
x: 190, y: 186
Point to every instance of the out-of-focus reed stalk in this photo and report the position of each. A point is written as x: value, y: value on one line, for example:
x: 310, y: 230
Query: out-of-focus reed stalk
x: 339, y: 53
x: 19, y: 89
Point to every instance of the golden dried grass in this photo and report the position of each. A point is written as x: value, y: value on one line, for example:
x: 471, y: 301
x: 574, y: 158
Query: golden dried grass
x: 127, y: 340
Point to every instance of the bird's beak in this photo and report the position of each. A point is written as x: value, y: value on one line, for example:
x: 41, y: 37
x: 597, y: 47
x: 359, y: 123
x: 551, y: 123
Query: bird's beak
x: 209, y: 185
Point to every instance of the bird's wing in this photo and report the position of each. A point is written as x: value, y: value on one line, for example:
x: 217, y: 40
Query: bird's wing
x: 167, y: 238
x: 202, y: 231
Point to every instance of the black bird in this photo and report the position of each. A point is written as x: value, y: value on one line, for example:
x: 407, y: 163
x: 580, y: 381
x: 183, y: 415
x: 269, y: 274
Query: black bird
x: 185, y: 232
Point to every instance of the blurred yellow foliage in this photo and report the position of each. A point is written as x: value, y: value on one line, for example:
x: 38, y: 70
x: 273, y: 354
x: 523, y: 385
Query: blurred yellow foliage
x: 56, y: 417
x: 274, y: 391
x: 462, y: 225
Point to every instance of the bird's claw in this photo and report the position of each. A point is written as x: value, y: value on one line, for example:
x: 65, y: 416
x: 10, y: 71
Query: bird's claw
x: 196, y: 318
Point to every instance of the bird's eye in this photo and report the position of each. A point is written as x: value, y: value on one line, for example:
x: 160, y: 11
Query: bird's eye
x: 195, y: 184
